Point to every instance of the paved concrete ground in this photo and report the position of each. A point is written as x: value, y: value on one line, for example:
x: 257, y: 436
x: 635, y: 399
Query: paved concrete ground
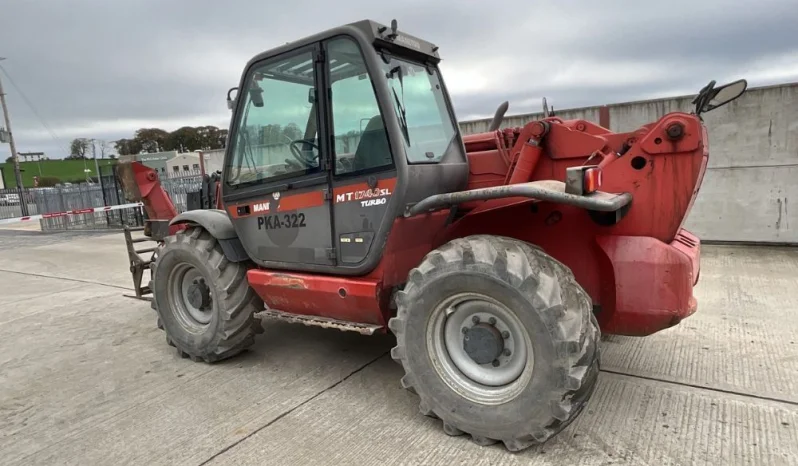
x: 86, y: 378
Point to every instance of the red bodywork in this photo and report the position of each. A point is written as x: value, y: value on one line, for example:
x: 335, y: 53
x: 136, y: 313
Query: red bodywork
x: 639, y: 272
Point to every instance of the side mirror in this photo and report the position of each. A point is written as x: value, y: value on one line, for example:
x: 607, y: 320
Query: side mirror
x: 726, y: 94
x: 231, y: 102
x: 712, y: 97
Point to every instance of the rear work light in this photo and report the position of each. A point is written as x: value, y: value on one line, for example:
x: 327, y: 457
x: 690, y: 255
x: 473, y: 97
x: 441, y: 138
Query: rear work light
x: 582, y: 180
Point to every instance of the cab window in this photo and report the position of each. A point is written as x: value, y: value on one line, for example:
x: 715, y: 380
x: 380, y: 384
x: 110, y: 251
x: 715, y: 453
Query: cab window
x: 361, y: 142
x: 417, y: 95
x: 277, y: 133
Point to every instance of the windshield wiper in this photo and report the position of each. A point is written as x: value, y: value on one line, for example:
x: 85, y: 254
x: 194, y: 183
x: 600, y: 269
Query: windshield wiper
x: 402, y: 117
x: 400, y: 105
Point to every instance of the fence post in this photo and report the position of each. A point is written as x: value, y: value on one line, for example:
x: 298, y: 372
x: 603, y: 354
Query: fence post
x: 102, y: 190
x: 61, y: 206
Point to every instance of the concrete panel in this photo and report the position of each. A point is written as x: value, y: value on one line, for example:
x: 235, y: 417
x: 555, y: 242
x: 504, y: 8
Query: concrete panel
x: 94, y: 382
x: 369, y: 420
x: 630, y: 116
x: 96, y: 258
x: 747, y: 204
x: 15, y: 288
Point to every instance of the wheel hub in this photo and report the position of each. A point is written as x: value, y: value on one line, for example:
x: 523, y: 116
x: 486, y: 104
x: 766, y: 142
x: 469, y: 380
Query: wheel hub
x: 483, y: 348
x: 199, y: 294
x: 190, y: 297
x: 483, y: 343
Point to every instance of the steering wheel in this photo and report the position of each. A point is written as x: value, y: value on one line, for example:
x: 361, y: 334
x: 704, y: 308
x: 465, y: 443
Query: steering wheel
x: 300, y: 156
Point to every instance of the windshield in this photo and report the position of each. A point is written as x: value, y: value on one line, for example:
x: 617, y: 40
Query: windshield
x: 420, y: 106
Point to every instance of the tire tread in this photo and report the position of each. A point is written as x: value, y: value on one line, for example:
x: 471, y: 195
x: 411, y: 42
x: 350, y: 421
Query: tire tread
x: 237, y: 302
x: 547, y: 281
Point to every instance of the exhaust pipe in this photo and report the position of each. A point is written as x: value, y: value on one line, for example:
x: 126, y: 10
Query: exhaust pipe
x: 498, y: 116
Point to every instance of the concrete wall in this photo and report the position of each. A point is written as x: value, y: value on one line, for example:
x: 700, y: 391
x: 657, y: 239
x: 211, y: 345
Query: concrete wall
x: 753, y: 161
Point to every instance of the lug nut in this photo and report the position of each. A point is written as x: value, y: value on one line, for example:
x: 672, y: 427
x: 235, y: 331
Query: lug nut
x: 492, y: 321
x: 507, y: 352
x: 495, y: 363
x: 465, y: 330
x: 475, y: 319
x: 505, y: 334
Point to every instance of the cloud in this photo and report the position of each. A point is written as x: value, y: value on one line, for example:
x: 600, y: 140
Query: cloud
x: 98, y: 68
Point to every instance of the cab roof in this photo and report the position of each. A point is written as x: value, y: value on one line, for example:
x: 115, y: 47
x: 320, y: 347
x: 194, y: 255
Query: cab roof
x: 372, y: 32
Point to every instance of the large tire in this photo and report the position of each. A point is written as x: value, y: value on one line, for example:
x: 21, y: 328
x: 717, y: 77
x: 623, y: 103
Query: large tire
x: 227, y: 324
x: 553, y: 321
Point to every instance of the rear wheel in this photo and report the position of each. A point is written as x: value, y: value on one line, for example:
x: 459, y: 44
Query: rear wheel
x: 204, y: 302
x: 498, y: 340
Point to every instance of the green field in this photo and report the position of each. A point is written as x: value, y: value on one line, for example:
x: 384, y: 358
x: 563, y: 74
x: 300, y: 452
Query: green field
x: 64, y: 170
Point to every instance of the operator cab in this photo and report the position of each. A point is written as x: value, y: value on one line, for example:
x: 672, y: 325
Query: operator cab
x: 331, y: 138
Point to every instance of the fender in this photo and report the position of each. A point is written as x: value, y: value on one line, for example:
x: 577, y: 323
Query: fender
x: 218, y: 224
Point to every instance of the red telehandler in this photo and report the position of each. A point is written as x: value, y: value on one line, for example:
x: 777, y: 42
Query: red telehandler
x: 349, y: 199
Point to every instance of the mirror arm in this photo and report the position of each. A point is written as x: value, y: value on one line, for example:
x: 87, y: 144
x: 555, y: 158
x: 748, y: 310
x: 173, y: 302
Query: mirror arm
x: 230, y: 101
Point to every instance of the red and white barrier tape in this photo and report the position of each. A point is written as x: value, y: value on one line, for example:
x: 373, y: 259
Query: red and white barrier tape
x: 88, y: 210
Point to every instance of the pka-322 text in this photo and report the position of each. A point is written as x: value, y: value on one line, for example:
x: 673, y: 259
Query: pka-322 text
x: 274, y: 222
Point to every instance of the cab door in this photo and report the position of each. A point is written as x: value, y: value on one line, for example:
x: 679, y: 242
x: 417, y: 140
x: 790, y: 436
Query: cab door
x: 363, y: 175
x: 277, y: 186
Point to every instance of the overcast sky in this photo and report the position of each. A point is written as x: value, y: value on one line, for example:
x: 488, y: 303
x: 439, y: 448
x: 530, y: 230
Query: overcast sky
x: 103, y: 68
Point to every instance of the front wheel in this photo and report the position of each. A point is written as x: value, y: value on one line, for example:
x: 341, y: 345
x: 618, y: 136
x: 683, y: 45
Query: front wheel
x: 204, y: 302
x: 498, y: 341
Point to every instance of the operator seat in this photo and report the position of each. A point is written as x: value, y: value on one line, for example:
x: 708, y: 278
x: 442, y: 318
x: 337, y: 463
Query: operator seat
x: 373, y: 149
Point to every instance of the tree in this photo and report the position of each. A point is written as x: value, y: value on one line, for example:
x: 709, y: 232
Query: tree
x: 112, y: 157
x: 79, y: 148
x: 151, y: 139
x: 10, y: 159
x: 185, y: 139
x: 206, y: 137
x: 104, y: 147
x: 128, y: 146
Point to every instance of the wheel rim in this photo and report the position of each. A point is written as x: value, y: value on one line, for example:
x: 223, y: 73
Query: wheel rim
x: 184, y: 280
x: 491, y: 380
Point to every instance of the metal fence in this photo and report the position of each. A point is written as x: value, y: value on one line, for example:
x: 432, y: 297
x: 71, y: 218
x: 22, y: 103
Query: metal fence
x: 179, y: 184
x: 11, y: 202
x: 81, y: 196
x: 60, y: 199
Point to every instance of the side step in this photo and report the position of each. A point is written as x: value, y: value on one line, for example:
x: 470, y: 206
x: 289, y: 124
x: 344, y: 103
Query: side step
x: 325, y: 322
